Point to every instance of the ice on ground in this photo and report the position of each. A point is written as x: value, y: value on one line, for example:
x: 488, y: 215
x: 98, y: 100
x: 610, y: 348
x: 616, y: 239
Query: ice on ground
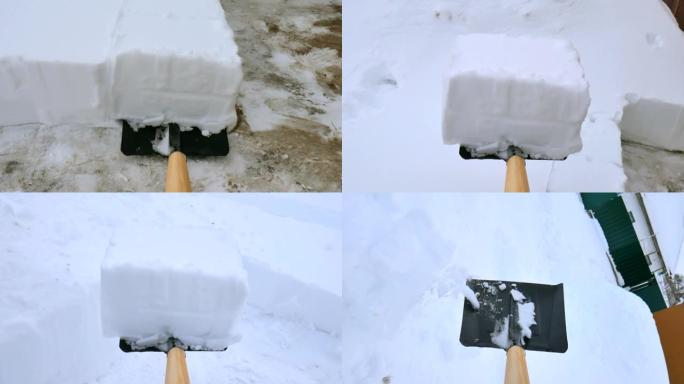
x: 471, y: 297
x: 185, y: 283
x: 526, y: 92
x: 146, y: 61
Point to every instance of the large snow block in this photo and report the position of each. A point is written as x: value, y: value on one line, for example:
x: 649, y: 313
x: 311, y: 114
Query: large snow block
x: 527, y: 92
x: 182, y: 70
x: 185, y: 283
x: 653, y: 122
x: 147, y: 61
x: 52, y: 69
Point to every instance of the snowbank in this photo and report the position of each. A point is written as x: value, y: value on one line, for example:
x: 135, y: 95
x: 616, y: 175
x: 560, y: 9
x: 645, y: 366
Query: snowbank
x: 145, y: 61
x: 666, y: 214
x: 504, y: 91
x: 407, y: 258
x: 392, y: 82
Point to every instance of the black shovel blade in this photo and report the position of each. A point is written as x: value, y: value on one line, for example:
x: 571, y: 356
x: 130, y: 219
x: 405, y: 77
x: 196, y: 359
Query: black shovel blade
x: 470, y: 153
x: 191, y: 142
x: 128, y: 346
x: 498, y: 307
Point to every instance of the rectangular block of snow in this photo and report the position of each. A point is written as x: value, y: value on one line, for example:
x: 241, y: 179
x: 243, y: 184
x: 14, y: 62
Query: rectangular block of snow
x: 186, y: 283
x: 527, y: 92
x: 174, y: 67
x: 52, y: 61
x: 147, y: 61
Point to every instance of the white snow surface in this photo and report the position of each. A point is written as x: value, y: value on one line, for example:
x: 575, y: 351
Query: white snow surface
x: 517, y: 295
x: 522, y: 91
x: 407, y: 258
x: 666, y: 214
x: 471, y: 297
x: 500, y: 336
x: 396, y: 52
x: 147, y: 61
x: 52, y: 247
x: 526, y: 320
x: 189, y: 285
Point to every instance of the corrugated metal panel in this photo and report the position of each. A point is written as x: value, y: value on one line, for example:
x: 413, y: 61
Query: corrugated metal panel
x: 595, y: 200
x: 651, y: 294
x: 623, y: 244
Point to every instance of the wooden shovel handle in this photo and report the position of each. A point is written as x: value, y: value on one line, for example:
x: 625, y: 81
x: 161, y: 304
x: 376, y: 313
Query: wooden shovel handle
x: 516, y: 366
x: 176, y: 369
x: 516, y: 175
x: 177, y: 178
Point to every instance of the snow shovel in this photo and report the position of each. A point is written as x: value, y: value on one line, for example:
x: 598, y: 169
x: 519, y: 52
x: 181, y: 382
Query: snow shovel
x: 514, y: 316
x: 170, y: 139
x: 176, y: 367
x: 516, y: 173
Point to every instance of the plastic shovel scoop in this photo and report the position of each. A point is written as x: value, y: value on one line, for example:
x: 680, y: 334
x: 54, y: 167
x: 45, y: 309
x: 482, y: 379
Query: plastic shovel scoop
x: 159, y: 293
x: 169, y: 140
x: 514, y: 98
x: 514, y: 316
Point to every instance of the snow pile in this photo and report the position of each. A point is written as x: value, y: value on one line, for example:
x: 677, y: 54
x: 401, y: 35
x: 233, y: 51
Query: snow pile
x: 149, y: 296
x: 147, y: 61
x: 403, y: 316
x: 504, y: 91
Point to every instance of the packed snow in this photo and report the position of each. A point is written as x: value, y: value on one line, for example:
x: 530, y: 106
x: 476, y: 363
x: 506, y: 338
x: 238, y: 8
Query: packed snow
x: 471, y: 297
x: 630, y: 50
x: 172, y: 290
x: 52, y: 248
x: 501, y: 336
x: 666, y: 215
x: 667, y: 119
x: 406, y: 261
x: 149, y: 62
x: 525, y: 316
x: 523, y: 91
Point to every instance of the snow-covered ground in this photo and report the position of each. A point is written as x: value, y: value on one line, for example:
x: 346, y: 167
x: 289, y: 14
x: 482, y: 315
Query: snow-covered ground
x: 288, y: 136
x: 396, y: 53
x: 666, y: 215
x: 51, y: 248
x: 406, y: 259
